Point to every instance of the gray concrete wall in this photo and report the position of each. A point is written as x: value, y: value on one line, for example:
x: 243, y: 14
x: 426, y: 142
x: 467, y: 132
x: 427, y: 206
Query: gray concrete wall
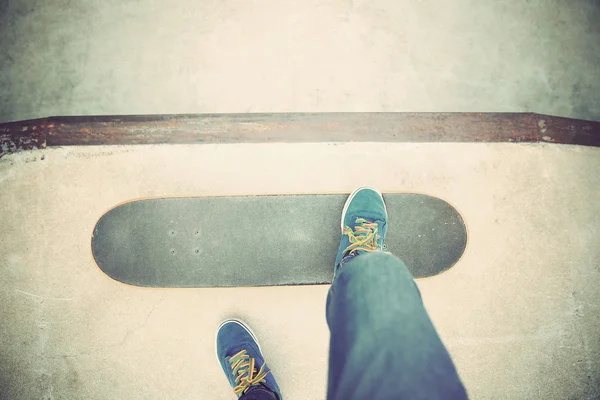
x: 64, y: 57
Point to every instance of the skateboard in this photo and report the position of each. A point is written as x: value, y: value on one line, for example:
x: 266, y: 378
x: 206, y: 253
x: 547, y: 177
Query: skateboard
x: 262, y: 240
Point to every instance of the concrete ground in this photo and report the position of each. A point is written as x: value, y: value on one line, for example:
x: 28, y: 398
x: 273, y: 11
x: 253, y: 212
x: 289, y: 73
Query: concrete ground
x: 65, y: 57
x: 519, y: 313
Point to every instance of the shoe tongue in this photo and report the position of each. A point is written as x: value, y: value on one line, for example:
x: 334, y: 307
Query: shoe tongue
x: 260, y: 392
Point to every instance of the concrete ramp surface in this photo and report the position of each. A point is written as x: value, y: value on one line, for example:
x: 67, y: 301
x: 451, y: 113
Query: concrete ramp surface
x: 519, y: 312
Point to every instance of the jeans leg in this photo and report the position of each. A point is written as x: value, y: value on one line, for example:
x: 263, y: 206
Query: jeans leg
x: 383, y: 344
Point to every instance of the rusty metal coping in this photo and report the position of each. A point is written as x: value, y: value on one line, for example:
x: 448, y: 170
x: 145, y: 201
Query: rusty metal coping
x: 295, y: 127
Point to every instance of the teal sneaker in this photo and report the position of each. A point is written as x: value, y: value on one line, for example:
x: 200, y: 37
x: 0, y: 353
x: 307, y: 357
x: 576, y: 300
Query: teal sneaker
x: 242, y: 361
x: 364, y: 224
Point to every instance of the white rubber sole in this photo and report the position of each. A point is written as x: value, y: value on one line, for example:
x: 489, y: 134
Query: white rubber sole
x: 243, y: 325
x: 347, y: 204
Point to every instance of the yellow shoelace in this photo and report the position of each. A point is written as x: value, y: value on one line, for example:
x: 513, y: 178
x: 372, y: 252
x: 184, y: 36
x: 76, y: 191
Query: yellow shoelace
x: 243, y: 366
x: 363, y: 237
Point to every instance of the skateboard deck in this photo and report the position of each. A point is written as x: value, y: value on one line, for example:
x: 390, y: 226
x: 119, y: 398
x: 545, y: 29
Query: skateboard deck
x: 262, y: 240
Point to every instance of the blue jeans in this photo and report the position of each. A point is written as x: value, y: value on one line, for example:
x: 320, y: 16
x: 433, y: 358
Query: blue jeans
x: 383, y: 344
